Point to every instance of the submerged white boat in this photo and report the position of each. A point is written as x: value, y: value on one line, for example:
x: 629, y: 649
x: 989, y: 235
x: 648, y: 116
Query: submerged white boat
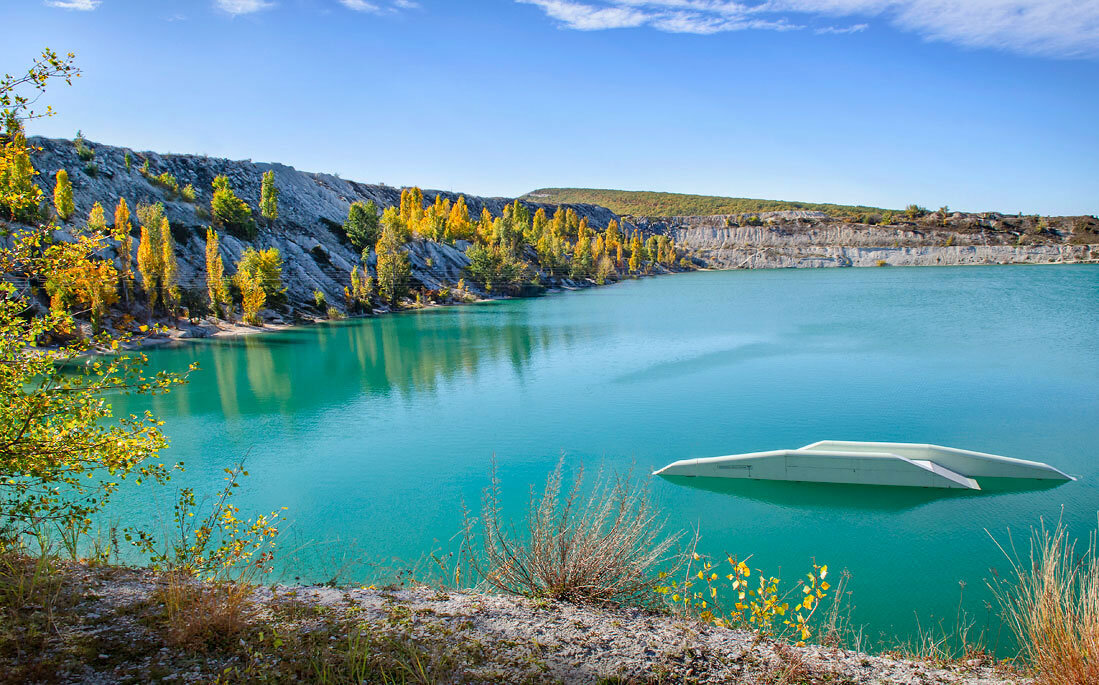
x: 868, y: 463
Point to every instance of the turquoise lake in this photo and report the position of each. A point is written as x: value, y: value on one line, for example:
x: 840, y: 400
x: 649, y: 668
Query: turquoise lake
x: 373, y: 432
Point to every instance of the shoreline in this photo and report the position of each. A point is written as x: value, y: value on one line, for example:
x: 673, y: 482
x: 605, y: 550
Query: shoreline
x: 124, y: 624
x: 227, y: 330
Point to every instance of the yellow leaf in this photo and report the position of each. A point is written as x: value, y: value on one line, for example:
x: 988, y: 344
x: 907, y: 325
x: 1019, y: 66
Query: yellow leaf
x: 824, y: 571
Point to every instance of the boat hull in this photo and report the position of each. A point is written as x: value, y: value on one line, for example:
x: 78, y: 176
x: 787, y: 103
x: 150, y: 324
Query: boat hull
x: 864, y: 463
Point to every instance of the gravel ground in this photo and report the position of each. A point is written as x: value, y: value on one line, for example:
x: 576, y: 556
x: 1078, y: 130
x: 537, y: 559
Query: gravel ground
x: 108, y: 626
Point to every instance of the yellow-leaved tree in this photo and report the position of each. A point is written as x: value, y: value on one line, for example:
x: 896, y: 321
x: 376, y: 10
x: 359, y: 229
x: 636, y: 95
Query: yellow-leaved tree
x: 63, y: 196
x: 62, y: 452
x: 216, y: 283
x: 121, y: 234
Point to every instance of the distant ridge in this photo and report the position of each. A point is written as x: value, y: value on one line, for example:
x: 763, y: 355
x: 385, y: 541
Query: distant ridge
x: 648, y: 203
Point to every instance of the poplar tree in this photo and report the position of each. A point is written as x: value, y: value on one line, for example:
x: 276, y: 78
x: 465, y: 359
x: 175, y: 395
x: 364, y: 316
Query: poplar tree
x: 216, y: 284
x: 613, y: 237
x: 19, y: 195
x: 393, y: 266
x: 362, y: 224
x: 635, y: 252
x: 63, y: 196
x: 485, y: 230
x: 169, y: 273
x: 230, y: 211
x: 252, y: 296
x: 125, y: 245
x: 458, y: 226
x: 560, y: 228
x: 582, y: 258
x: 269, y: 197
x: 150, y: 251
x: 147, y: 264
x: 97, y: 222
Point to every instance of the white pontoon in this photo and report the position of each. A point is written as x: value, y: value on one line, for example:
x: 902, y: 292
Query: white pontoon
x: 868, y: 463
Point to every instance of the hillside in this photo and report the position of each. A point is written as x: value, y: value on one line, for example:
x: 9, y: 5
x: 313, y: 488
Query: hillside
x: 654, y: 204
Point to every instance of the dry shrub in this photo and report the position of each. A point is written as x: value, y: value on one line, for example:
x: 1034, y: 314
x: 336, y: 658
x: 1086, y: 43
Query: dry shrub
x: 602, y: 546
x: 1052, y: 603
x: 198, y: 614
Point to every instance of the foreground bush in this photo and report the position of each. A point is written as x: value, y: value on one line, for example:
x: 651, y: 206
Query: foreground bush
x: 1052, y: 603
x: 603, y: 546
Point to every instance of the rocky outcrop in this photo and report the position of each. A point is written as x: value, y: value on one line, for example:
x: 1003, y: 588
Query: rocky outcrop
x: 308, y: 232
x: 813, y: 239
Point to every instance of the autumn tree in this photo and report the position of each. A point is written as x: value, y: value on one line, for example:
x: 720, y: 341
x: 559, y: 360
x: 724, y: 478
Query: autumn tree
x: 582, y: 258
x: 97, y: 221
x: 412, y: 207
x: 169, y: 274
x: 63, y: 196
x: 269, y: 197
x: 458, y: 225
x: 362, y: 224
x: 19, y: 196
x: 62, y: 452
x: 121, y: 233
x: 635, y: 252
x: 216, y: 284
x: 266, y: 266
x: 252, y: 296
x: 150, y: 251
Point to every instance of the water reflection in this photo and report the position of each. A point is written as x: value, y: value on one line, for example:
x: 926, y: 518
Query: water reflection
x: 300, y: 369
x: 800, y: 495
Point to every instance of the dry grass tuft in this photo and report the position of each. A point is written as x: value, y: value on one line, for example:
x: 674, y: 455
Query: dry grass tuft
x: 603, y: 546
x: 1052, y: 603
x: 199, y: 615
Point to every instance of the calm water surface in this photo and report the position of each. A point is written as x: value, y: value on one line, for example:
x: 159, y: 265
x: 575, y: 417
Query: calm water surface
x: 374, y: 432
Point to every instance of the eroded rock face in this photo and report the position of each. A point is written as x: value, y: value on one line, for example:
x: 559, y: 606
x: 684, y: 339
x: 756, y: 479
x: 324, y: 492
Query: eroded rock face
x: 813, y: 239
x: 308, y: 232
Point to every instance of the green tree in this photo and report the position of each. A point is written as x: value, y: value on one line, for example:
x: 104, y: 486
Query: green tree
x: 63, y: 196
x: 269, y: 197
x: 229, y: 211
x: 394, y: 268
x: 362, y: 225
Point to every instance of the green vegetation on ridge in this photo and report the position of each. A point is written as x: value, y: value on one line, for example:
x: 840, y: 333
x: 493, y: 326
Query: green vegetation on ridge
x: 648, y: 203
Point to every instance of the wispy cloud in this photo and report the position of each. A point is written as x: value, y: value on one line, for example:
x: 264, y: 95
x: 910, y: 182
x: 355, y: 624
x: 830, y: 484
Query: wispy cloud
x: 236, y: 7
x: 840, y: 30
x: 82, y: 5
x: 1055, y: 28
x: 379, y: 7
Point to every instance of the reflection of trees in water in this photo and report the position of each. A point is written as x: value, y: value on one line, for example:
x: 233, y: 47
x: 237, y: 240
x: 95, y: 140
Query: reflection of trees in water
x: 309, y: 367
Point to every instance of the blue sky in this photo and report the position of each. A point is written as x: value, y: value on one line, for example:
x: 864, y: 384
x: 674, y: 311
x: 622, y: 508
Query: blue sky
x: 977, y: 104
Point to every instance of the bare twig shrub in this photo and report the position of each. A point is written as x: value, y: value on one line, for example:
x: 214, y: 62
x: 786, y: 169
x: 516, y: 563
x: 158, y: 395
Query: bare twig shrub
x: 1052, y: 603
x: 599, y: 544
